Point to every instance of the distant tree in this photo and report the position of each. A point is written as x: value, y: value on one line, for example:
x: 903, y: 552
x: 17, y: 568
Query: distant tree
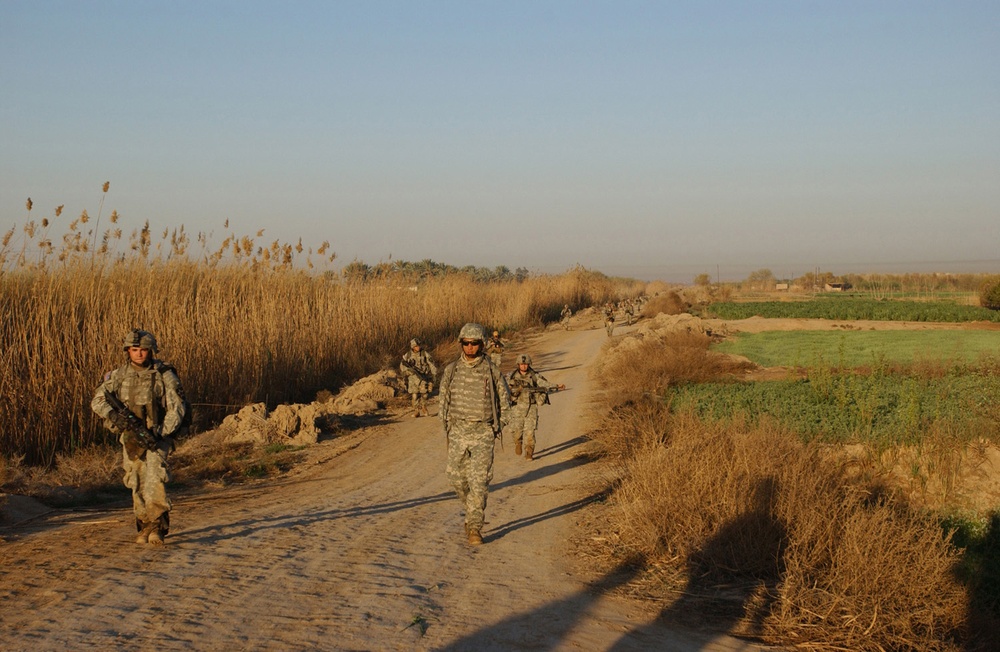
x: 703, y: 280
x: 989, y: 294
x: 762, y: 279
x: 356, y: 271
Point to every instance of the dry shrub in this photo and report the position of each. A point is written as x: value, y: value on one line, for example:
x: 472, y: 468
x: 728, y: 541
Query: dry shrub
x: 11, y: 471
x: 651, y: 364
x: 668, y: 303
x: 633, y: 426
x: 825, y: 562
x: 91, y: 468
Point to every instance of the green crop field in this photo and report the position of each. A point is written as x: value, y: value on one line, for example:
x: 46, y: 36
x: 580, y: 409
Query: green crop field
x: 853, y: 308
x: 863, y: 348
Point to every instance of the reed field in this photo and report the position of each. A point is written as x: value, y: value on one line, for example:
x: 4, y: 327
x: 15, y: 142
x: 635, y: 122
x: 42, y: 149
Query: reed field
x: 243, y: 322
x: 747, y: 516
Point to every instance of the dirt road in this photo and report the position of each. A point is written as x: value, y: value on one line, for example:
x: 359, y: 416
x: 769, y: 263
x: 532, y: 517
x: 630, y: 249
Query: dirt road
x: 361, y: 549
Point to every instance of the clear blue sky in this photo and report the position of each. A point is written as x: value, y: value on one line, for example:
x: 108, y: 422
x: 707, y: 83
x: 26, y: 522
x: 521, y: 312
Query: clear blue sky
x: 652, y: 139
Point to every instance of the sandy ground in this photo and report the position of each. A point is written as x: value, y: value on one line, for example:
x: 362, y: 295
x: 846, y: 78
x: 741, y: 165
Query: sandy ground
x: 360, y: 549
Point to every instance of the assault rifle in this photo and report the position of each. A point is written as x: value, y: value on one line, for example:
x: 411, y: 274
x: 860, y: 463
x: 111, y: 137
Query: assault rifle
x: 125, y: 419
x: 412, y: 367
x: 532, y: 392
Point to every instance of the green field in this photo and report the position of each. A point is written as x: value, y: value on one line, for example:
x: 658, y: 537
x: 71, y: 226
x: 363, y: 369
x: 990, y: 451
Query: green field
x: 853, y: 308
x: 877, y: 409
x: 863, y: 348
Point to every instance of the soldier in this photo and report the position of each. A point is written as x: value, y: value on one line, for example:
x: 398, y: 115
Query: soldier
x: 475, y: 406
x: 420, y: 372
x: 151, y: 390
x: 565, y: 315
x: 494, y: 348
x: 528, y: 390
x: 609, y: 318
x: 629, y: 311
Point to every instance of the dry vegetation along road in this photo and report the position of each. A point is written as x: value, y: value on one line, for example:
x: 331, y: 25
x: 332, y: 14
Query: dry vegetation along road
x: 361, y: 548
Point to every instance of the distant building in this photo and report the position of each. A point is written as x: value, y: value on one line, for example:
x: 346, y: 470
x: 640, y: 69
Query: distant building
x: 781, y: 287
x: 836, y: 287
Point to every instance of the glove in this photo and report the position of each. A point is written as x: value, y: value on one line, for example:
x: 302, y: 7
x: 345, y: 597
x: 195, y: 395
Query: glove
x: 118, y: 421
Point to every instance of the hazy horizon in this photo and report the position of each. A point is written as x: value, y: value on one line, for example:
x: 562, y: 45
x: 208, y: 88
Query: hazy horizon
x: 670, y: 139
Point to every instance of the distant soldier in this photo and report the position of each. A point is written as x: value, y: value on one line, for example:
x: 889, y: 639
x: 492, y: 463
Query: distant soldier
x: 565, y: 315
x: 475, y: 407
x: 629, y: 310
x: 494, y: 348
x: 419, y: 371
x: 528, y: 390
x: 152, y: 412
x: 609, y: 318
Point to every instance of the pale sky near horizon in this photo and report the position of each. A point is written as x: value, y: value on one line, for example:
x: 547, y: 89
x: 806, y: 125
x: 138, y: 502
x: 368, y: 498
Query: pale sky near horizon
x: 647, y: 139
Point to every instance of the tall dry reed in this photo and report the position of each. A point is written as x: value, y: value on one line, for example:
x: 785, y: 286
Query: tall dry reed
x: 242, y: 323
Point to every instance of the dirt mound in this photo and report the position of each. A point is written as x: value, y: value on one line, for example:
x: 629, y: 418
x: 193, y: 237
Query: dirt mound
x: 300, y: 424
x: 663, y: 323
x: 15, y: 508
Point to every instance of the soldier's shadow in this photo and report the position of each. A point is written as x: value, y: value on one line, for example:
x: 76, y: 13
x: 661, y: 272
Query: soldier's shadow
x: 733, y: 575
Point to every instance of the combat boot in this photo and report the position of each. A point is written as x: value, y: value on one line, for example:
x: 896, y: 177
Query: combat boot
x: 517, y: 447
x: 145, y: 532
x: 529, y: 453
x: 155, y: 538
x: 475, y: 538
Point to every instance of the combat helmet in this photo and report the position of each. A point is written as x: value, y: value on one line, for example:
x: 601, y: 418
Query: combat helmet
x: 140, y: 338
x: 524, y: 358
x: 415, y: 342
x: 472, y: 331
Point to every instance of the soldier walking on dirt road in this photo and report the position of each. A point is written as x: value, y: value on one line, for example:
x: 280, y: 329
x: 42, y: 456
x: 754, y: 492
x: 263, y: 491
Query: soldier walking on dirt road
x: 152, y: 411
x: 419, y: 371
x: 528, y: 390
x: 475, y: 407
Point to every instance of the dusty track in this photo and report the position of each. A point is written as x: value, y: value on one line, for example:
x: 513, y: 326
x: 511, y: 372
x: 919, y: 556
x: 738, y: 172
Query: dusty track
x: 361, y: 549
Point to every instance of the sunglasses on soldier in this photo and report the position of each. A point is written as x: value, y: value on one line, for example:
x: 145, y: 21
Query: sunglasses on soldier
x: 471, y: 343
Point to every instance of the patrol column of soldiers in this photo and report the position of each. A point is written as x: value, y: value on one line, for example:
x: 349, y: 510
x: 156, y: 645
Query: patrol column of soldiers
x: 528, y: 390
x: 475, y: 407
x: 152, y: 391
x: 419, y: 371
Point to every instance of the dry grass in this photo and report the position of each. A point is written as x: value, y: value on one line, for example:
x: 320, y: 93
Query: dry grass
x: 774, y: 538
x: 666, y: 303
x: 637, y: 367
x: 243, y: 323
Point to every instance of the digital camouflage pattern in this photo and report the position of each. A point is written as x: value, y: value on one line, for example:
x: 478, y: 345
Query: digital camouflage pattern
x: 154, y: 394
x: 524, y: 412
x: 419, y: 371
x: 494, y: 349
x: 475, y: 406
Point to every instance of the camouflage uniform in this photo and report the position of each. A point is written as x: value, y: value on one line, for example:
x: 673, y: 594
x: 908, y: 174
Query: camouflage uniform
x: 475, y: 402
x: 609, y: 319
x: 565, y: 315
x: 629, y: 311
x: 494, y: 348
x: 420, y: 372
x: 154, y: 394
x: 524, y: 413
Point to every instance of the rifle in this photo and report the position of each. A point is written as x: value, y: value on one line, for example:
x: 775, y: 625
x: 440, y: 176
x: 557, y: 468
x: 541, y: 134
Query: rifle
x: 531, y: 392
x: 127, y: 421
x: 423, y: 376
